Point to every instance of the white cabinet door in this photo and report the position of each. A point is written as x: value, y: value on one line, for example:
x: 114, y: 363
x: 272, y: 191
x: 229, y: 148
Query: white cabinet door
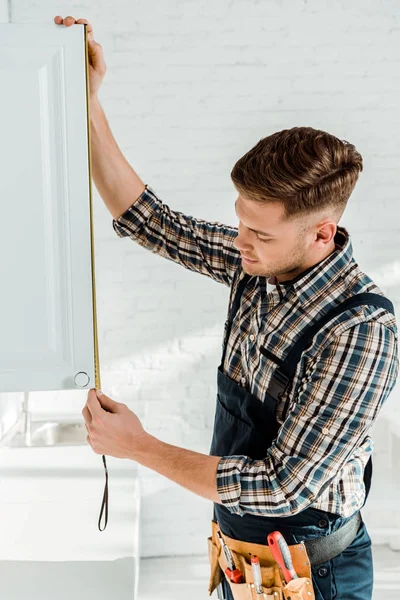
x: 48, y: 334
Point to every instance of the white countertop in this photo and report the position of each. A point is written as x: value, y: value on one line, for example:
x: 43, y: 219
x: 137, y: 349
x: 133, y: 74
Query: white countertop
x: 50, y: 504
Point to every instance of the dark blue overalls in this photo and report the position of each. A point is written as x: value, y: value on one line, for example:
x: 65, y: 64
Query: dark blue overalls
x: 246, y: 426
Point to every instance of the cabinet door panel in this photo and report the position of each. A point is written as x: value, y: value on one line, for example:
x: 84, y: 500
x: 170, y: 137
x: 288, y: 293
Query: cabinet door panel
x: 47, y: 300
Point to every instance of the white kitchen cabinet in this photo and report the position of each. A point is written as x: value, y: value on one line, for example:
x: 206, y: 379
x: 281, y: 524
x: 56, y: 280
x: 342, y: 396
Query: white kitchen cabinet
x: 48, y: 334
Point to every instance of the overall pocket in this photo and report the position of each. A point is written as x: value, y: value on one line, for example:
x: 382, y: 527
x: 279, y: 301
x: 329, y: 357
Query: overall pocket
x: 231, y: 435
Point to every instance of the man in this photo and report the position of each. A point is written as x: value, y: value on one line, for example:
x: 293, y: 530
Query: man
x: 310, y: 348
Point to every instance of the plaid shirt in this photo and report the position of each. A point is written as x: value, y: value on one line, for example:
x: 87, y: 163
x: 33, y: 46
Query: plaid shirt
x: 344, y: 377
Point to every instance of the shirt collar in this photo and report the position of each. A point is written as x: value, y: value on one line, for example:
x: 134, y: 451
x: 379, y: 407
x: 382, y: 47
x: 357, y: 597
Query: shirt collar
x: 318, y: 278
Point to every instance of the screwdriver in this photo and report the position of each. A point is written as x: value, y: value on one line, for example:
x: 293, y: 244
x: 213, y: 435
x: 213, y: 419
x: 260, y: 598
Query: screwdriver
x: 234, y: 574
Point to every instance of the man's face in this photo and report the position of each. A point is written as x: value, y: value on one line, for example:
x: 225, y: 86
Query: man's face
x: 285, y: 252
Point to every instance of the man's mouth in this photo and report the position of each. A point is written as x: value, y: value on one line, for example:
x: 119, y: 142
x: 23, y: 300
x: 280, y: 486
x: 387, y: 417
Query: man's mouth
x: 249, y: 260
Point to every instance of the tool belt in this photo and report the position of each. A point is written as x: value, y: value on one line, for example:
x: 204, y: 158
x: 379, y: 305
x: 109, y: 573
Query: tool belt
x: 304, y: 556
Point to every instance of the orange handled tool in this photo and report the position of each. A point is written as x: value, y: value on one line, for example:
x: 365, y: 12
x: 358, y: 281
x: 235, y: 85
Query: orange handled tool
x: 281, y: 553
x: 234, y: 574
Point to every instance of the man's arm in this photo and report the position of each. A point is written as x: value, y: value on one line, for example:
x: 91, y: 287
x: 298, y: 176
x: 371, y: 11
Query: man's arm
x: 192, y: 470
x: 115, y: 180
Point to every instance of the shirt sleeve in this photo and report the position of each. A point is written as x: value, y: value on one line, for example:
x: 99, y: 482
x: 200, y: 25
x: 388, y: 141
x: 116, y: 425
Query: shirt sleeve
x: 337, y: 402
x: 202, y: 246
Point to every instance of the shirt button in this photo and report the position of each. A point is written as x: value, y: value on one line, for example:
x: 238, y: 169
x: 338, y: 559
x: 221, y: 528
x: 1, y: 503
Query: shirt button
x: 325, y: 430
x: 243, y: 380
x: 322, y: 571
x: 252, y: 337
x: 322, y: 523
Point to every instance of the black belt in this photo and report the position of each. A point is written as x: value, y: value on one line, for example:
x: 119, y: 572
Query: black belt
x: 325, y: 548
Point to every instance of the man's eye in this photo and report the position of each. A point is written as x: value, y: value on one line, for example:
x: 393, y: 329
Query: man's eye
x: 263, y: 239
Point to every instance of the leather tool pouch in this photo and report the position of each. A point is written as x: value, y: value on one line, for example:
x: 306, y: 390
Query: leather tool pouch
x: 273, y: 583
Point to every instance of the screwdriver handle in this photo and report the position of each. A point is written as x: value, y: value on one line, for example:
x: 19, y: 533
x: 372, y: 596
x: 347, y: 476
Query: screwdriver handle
x: 236, y: 576
x: 281, y: 553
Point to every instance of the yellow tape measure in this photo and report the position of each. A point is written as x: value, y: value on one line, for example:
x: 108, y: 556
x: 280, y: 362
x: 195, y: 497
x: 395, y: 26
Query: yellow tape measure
x: 95, y: 340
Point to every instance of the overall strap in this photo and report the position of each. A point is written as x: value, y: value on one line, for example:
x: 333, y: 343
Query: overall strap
x: 285, y: 372
x: 238, y: 295
x: 234, y: 309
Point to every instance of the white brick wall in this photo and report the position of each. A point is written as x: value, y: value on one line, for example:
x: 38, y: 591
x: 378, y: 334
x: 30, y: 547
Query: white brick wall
x: 190, y: 87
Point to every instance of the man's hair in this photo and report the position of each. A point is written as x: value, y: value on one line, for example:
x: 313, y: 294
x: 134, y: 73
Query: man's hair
x: 306, y: 169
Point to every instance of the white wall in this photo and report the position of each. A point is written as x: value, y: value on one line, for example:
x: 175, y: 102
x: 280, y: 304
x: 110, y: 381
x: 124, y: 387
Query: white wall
x: 190, y: 87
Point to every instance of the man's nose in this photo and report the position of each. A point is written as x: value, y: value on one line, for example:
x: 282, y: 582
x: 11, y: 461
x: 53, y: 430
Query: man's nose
x: 241, y: 242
